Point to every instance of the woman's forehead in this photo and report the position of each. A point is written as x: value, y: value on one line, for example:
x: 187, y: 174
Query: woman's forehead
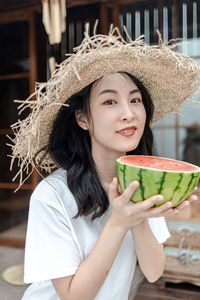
x: 113, y: 80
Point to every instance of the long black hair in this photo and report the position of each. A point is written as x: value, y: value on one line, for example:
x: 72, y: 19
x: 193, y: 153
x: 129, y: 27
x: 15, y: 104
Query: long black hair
x: 70, y: 147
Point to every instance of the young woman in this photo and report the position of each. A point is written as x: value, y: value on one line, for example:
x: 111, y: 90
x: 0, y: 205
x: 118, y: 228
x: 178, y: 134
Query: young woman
x: 84, y: 235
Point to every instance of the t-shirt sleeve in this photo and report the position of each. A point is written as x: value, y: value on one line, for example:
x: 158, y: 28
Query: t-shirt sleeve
x: 159, y: 229
x: 50, y: 250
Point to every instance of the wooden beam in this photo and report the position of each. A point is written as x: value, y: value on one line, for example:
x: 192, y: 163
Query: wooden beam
x: 115, y: 14
x: 160, y: 16
x: 14, y: 16
x: 72, y: 3
x: 124, y: 2
x: 32, y: 52
x: 104, y: 18
x: 12, y: 242
x: 13, y: 4
x: 20, y: 7
x: 17, y: 15
x: 172, y: 126
x: 14, y: 76
x: 175, y: 20
x: 14, y: 186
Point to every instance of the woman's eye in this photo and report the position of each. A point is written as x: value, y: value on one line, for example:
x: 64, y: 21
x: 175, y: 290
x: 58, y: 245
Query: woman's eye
x: 135, y: 100
x: 109, y: 102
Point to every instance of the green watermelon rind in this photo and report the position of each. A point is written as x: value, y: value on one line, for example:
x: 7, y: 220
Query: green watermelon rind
x: 174, y: 186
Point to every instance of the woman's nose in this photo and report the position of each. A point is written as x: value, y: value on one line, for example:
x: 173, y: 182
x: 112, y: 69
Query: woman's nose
x: 127, y: 114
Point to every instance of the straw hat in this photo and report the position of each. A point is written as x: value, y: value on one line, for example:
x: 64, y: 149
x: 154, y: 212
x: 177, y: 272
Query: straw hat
x: 169, y: 77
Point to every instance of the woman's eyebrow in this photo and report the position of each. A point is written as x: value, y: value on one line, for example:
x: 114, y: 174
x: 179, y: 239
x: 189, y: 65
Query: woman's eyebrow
x: 135, y: 91
x: 115, y: 92
x: 108, y: 91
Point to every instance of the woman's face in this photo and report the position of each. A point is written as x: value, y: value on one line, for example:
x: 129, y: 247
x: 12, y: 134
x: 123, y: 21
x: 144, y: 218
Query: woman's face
x: 117, y: 116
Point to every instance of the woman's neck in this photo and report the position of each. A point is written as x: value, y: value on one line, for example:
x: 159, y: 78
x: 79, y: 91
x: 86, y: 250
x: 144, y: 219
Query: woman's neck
x: 105, y: 164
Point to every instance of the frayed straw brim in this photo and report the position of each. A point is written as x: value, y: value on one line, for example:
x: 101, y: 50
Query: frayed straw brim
x: 169, y: 77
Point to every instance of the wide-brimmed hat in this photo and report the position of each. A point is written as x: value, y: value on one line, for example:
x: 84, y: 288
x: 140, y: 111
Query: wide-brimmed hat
x: 170, y: 78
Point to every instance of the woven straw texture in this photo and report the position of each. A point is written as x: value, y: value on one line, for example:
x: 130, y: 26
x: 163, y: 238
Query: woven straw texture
x: 169, y: 77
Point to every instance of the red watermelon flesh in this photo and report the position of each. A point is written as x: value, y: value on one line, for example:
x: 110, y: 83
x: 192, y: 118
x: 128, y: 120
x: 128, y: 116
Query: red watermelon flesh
x: 158, y: 163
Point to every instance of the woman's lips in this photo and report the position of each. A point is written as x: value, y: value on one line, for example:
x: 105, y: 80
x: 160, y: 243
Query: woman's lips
x: 128, y: 131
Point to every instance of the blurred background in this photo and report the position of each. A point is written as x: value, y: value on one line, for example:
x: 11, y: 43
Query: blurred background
x: 35, y: 35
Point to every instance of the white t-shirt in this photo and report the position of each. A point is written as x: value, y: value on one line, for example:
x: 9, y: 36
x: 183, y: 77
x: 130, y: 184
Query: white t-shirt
x: 57, y: 243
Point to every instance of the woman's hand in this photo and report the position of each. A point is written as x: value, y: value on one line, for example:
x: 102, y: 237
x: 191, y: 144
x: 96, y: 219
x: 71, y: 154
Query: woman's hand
x: 184, y: 204
x: 126, y: 214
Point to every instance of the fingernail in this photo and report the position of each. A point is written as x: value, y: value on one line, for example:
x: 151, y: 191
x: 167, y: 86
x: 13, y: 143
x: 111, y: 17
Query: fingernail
x: 113, y: 181
x: 135, y: 183
x: 169, y: 204
x: 159, y: 198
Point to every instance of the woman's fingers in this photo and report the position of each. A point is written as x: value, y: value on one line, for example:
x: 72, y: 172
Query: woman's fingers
x: 186, y: 203
x: 121, y: 199
x: 167, y: 209
x: 192, y: 198
x: 147, y: 207
x: 129, y: 191
x: 150, y: 202
x: 113, y: 191
x: 195, y: 189
x: 159, y: 210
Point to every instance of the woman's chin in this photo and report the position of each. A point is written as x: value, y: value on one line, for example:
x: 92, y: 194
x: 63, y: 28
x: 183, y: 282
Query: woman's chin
x: 128, y: 149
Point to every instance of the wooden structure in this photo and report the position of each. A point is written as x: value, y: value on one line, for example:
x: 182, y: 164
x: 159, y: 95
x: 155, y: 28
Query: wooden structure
x: 20, y: 61
x: 183, y: 247
x: 149, y: 291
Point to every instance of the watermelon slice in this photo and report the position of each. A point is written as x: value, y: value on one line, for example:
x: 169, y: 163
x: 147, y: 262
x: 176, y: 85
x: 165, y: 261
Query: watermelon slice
x: 174, y: 179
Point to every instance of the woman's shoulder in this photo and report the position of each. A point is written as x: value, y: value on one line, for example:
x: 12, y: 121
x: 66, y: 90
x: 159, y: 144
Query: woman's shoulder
x: 54, y: 182
x: 54, y: 191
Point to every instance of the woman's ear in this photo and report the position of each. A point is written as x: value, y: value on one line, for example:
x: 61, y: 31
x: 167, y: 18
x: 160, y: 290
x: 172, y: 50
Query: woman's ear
x: 81, y: 119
